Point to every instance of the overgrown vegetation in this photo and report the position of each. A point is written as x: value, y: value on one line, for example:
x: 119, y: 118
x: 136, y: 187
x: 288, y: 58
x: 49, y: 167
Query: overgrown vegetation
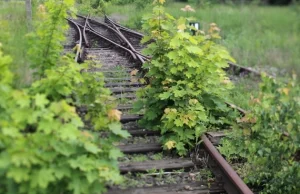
x: 263, y: 37
x: 44, y: 145
x: 188, y: 87
x: 268, y: 137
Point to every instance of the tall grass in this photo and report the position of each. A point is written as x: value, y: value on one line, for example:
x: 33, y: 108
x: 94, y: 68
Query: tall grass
x: 263, y: 37
x: 12, y: 36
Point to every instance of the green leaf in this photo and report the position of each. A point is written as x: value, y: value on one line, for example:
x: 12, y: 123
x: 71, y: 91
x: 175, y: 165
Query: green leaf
x: 116, y: 128
x: 18, y: 174
x: 164, y: 95
x: 179, y: 93
x: 41, y: 100
x: 61, y: 172
x: 77, y: 185
x: 194, y: 50
x: 42, y: 178
x: 115, y: 154
x: 4, y: 160
x: 68, y: 132
x: 64, y: 148
x: 91, y: 147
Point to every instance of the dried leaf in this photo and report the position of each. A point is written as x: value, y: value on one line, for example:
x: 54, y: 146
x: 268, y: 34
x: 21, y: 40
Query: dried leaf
x: 161, y: 1
x: 170, y: 144
x: 134, y: 72
x: 134, y: 79
x: 248, y: 119
x: 286, y: 91
x: 188, y: 8
x: 181, y: 27
x: 87, y: 134
x: 114, y: 115
x: 226, y: 81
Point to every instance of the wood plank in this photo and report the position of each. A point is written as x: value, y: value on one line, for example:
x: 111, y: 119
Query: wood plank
x: 197, y: 187
x: 215, y: 137
x: 127, y: 118
x: 143, y: 132
x: 124, y: 106
x: 112, y: 71
x: 126, y: 95
x: 123, y: 90
x: 126, y: 84
x: 169, y: 164
x: 118, y: 79
x: 141, y: 148
x: 120, y: 107
x: 240, y: 70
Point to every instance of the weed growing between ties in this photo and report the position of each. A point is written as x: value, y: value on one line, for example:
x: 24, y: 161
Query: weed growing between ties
x: 188, y: 86
x: 268, y: 138
x: 44, y: 148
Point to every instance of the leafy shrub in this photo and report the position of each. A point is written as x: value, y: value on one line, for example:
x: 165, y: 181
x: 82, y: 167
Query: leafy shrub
x: 46, y: 40
x: 44, y: 145
x: 268, y: 137
x: 188, y: 86
x: 43, y: 150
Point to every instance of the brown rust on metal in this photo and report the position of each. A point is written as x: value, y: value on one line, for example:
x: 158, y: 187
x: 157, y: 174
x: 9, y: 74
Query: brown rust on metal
x: 233, y: 183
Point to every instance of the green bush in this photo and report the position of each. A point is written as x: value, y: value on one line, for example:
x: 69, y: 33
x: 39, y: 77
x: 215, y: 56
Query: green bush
x: 188, y: 86
x: 44, y: 145
x: 268, y: 138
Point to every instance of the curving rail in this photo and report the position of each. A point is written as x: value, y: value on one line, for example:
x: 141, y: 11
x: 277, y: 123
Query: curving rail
x: 107, y: 39
x: 84, y: 33
x: 108, y: 20
x: 142, y: 58
x: 78, y: 45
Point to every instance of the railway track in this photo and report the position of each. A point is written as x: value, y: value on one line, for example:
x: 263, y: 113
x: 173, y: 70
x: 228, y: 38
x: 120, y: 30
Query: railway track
x: 146, y: 168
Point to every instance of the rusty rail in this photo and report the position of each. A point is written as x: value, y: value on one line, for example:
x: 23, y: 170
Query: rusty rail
x: 80, y: 40
x: 233, y: 184
x: 125, y: 40
x: 128, y: 43
x: 107, y: 19
x: 100, y: 23
x: 142, y: 58
x: 107, y: 39
x: 84, y: 33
